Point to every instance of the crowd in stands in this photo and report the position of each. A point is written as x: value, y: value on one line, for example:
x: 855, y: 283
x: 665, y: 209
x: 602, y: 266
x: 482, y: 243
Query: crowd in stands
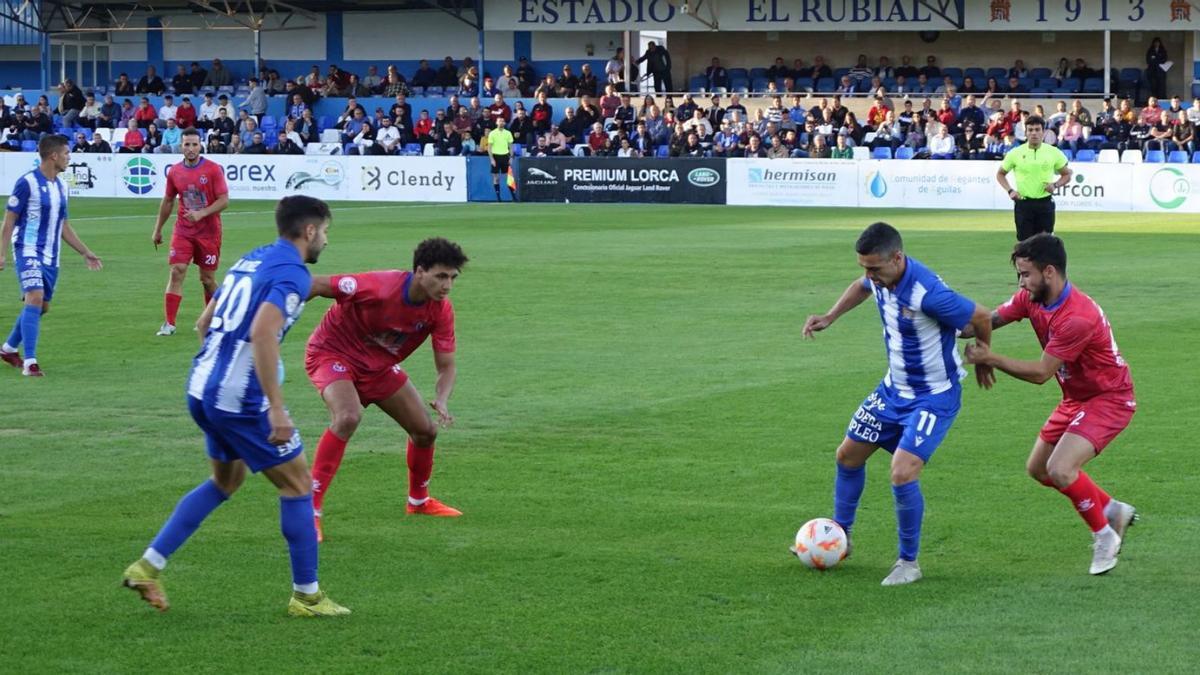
x: 960, y: 117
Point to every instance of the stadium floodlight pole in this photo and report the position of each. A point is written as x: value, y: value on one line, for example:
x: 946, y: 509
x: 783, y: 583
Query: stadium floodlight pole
x: 44, y: 54
x: 1107, y: 63
x: 626, y: 44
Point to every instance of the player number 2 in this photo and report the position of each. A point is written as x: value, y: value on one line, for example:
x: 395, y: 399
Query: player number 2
x: 926, y: 423
x: 235, y: 301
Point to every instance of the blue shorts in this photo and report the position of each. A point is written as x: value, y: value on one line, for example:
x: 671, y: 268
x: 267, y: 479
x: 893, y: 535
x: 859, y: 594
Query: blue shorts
x: 916, y: 425
x: 35, y: 276
x: 231, y: 437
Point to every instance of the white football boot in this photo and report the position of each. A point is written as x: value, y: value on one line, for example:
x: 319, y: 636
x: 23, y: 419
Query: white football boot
x: 903, y: 572
x: 1106, y: 545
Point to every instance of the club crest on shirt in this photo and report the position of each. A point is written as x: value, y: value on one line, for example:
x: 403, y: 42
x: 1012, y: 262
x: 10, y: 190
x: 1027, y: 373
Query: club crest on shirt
x: 419, y: 326
x: 14, y: 202
x: 338, y: 368
x: 348, y: 285
x: 204, y: 180
x: 293, y: 303
x: 908, y: 313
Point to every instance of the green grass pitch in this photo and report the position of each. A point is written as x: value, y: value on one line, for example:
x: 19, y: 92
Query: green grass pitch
x: 640, y: 432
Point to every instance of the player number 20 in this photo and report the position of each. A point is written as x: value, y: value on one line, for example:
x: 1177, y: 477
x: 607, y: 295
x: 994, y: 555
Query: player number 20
x: 926, y: 423
x: 233, y: 305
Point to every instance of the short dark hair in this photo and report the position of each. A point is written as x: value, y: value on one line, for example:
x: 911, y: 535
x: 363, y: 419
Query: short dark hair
x: 50, y: 144
x: 1042, y: 249
x: 1035, y: 121
x: 879, y: 238
x: 296, y: 212
x: 438, y: 251
x: 190, y: 131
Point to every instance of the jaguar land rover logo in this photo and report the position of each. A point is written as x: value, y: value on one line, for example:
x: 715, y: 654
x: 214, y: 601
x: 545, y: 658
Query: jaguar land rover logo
x: 704, y: 177
x: 536, y: 176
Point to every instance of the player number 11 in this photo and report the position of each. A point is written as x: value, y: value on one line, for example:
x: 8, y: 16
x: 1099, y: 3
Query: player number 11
x: 926, y: 423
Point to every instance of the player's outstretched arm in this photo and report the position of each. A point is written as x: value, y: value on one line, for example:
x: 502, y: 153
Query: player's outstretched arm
x: 997, y: 322
x: 447, y: 372
x: 264, y: 337
x: 322, y: 287
x: 73, y: 240
x: 10, y: 221
x: 851, y: 298
x: 1037, y: 372
x: 981, y: 327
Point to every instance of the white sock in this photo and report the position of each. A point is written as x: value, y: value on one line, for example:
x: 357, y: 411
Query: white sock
x: 30, y: 362
x: 307, y: 589
x: 156, y: 559
x: 1106, y: 532
x: 7, y: 349
x: 417, y: 502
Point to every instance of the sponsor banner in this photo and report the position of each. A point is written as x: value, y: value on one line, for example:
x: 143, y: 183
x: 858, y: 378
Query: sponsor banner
x: 408, y: 179
x: 1094, y: 187
x: 793, y: 182
x: 91, y: 175
x: 844, y: 15
x: 612, y: 179
x: 930, y: 184
x: 1166, y: 188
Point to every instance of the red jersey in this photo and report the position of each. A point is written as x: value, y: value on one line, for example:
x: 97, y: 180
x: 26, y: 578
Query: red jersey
x: 197, y: 187
x: 373, y: 326
x: 1075, y: 330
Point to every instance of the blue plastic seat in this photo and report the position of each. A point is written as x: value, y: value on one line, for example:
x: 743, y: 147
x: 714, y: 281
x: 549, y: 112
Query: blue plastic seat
x: 757, y: 72
x: 1130, y: 75
x: 1196, y: 157
x: 826, y: 84
x: 1085, y: 155
x: 881, y: 153
x: 1177, y: 157
x: 977, y: 74
x: 1093, y: 85
x: 411, y: 149
x: 1069, y: 154
x: 663, y: 151
x: 1038, y: 73
x: 904, y: 152
x: 1001, y: 74
x: 956, y: 73
x: 697, y: 82
x: 1155, y: 157
x: 29, y: 146
x: 324, y: 122
x: 741, y: 72
x: 759, y: 84
x: 517, y: 150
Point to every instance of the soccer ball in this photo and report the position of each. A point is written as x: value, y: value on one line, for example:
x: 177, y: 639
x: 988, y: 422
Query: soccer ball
x: 821, y: 543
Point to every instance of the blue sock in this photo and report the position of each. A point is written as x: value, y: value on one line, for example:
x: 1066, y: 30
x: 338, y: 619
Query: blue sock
x: 296, y: 522
x: 847, y: 489
x: 189, y: 513
x: 14, y: 338
x: 31, y: 319
x: 910, y: 509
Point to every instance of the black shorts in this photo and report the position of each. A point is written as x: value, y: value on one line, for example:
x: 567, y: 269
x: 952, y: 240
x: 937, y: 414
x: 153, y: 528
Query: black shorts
x: 1033, y: 216
x: 501, y: 165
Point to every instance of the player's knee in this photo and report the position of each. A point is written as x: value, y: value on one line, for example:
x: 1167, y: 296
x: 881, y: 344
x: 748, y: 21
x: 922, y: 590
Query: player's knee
x: 178, y: 272
x: 346, y: 422
x: 1037, y: 471
x: 848, y: 458
x: 1062, y: 474
x: 905, y: 474
x: 424, y: 437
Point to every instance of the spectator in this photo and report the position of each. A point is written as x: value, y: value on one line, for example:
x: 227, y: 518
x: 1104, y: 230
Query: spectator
x: 128, y: 112
x: 446, y: 141
x: 354, y: 87
x: 818, y: 71
x: 1018, y: 71
x: 877, y: 113
x: 337, y: 81
x: 718, y: 76
x: 110, y: 113
x: 817, y: 147
x: 218, y: 76
x: 1062, y: 71
x: 526, y: 76
x: 145, y: 114
x: 1070, y: 133
x: 846, y: 86
x: 388, y: 139
x: 931, y: 71
x: 941, y: 146
x: 468, y: 85
x: 182, y: 82
x: 89, y: 116
x: 658, y: 65
x: 1156, y: 76
x: 79, y: 143
x: 313, y: 81
x: 946, y: 117
x: 234, y: 145
x: 98, y: 145
x: 1183, y: 134
x: 609, y: 102
x: 853, y: 129
x: 1161, y: 132
x: 215, y: 146
x: 969, y: 86
x: 185, y: 115
x: 861, y: 71
x: 499, y: 110
x: 256, y: 100
x: 123, y: 87
x: 285, y: 145
x: 207, y: 113
x: 971, y: 145
x: 196, y: 76
x: 133, y: 140
x: 508, y: 83
x: 425, y: 76
x: 906, y: 69
x: 626, y: 149
x: 248, y: 129
x: 224, y: 125
x: 1060, y: 115
x: 587, y: 112
x: 167, y: 111
x: 588, y: 84
x: 447, y: 75
x: 1081, y: 71
x: 1150, y: 114
x: 297, y: 107
x: 275, y: 86
x: 778, y: 70
x: 522, y: 128
x: 842, y: 150
x: 699, y: 125
x: 306, y: 128
x: 614, y: 71
x: 256, y: 146
x: 888, y: 133
x: 172, y: 138
x: 153, y: 139
x: 1084, y: 115
x: 70, y: 103
x: 151, y: 83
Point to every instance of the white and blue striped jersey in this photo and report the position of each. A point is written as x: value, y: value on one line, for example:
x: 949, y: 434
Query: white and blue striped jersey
x: 921, y: 317
x: 41, y: 208
x: 223, y: 374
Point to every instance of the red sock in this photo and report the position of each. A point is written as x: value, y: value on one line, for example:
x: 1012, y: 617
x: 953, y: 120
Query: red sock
x: 207, y: 296
x: 330, y: 450
x: 1088, y: 500
x: 420, y: 468
x: 172, y: 307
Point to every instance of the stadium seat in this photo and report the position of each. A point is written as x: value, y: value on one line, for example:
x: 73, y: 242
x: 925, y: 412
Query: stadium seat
x: 411, y: 149
x: 955, y: 73
x: 1093, y: 85
x: 517, y: 150
x: 1039, y: 90
x: 881, y: 153
x: 756, y: 72
x: 741, y: 72
x: 1109, y: 156
x: 759, y: 85
x: 1086, y: 155
x: 1064, y: 90
x: 1001, y: 74
x: 826, y: 84
x: 861, y: 152
x: 904, y: 152
x: 1046, y: 82
x: 331, y: 136
x: 837, y: 74
x: 741, y: 90
x: 1196, y: 90
x: 1132, y: 156
x: 1130, y: 75
x: 1196, y: 157
x: 1153, y: 157
x: 977, y: 74
x: 1177, y: 157
x: 663, y: 151
x: 697, y: 82
x: 346, y: 148
x: 29, y: 146
x: 1070, y: 155
x: 324, y: 122
x: 1040, y: 72
x: 434, y: 91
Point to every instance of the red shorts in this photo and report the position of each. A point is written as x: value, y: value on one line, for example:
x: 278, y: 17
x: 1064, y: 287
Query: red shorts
x: 1099, y: 419
x: 325, y: 369
x: 205, y: 251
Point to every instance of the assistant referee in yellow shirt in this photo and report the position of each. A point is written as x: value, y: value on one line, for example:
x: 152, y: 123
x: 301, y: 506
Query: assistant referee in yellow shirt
x: 500, y: 141
x: 1040, y: 170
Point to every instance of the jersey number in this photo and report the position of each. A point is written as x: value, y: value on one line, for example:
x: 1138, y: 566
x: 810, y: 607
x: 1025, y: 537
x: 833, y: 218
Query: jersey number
x: 927, y: 422
x: 232, y: 307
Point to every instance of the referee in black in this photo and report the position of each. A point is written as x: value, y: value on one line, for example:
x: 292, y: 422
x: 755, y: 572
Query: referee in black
x: 1040, y: 169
